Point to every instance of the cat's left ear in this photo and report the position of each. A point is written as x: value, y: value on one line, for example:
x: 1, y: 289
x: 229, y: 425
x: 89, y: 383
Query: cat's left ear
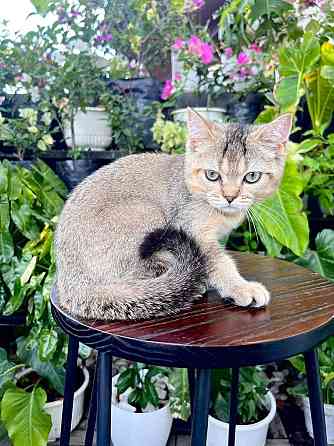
x: 276, y: 132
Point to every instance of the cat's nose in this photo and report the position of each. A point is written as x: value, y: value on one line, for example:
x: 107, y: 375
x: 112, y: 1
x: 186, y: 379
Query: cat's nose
x: 229, y: 198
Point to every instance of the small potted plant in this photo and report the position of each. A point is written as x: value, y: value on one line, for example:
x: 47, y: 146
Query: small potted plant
x: 326, y: 363
x: 140, y: 410
x: 256, y: 408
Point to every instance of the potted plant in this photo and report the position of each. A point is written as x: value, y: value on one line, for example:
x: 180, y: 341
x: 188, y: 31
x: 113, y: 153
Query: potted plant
x: 326, y: 363
x: 32, y: 379
x: 256, y: 408
x: 140, y: 410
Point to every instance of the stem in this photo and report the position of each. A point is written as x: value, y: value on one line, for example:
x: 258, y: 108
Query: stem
x: 18, y: 366
x: 72, y: 130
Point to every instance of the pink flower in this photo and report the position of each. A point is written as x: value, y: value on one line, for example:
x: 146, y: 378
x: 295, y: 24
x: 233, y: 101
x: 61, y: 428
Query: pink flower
x: 201, y: 49
x: 228, y: 52
x: 198, y: 3
x: 104, y: 38
x: 242, y: 58
x: 195, y: 46
x: 255, y: 47
x: 207, y: 53
x: 167, y: 90
x: 178, y: 76
x: 178, y: 44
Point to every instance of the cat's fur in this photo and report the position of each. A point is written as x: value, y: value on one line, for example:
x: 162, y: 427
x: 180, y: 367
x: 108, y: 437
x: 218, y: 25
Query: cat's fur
x: 139, y: 237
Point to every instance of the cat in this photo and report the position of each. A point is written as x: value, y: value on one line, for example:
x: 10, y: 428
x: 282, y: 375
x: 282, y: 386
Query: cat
x: 139, y: 238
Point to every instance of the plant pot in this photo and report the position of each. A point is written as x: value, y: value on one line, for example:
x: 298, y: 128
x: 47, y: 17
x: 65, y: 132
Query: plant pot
x: 140, y: 429
x: 209, y: 113
x: 254, y: 434
x: 55, y: 409
x: 91, y: 129
x: 329, y: 418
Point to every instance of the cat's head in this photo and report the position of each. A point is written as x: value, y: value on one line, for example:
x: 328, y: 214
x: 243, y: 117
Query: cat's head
x: 232, y: 166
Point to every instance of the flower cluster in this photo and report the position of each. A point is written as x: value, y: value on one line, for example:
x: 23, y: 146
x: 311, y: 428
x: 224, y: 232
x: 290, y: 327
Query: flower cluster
x: 239, y: 71
x: 197, y: 47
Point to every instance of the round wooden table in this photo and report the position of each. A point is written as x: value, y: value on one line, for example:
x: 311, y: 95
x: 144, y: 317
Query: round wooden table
x: 212, y: 334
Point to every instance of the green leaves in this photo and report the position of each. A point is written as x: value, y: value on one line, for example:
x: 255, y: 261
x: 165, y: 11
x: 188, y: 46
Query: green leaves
x: 24, y: 418
x: 281, y: 216
x: 268, y: 7
x: 41, y: 6
x: 321, y: 260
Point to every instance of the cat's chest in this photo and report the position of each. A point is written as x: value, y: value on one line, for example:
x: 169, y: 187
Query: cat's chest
x: 220, y: 225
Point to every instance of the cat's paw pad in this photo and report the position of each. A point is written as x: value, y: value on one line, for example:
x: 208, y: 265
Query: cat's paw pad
x: 250, y: 293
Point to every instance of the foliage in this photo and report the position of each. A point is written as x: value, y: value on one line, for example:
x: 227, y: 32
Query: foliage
x: 30, y: 200
x: 326, y: 364
x: 170, y: 135
x: 179, y: 399
x: 141, y: 381
x: 252, y: 392
x: 320, y: 260
x: 23, y: 415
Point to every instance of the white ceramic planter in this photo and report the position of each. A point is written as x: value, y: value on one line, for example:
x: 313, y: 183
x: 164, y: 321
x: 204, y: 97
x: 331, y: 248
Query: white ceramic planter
x: 91, y: 129
x: 329, y: 418
x: 139, y: 429
x: 55, y: 409
x: 209, y: 113
x: 246, y: 435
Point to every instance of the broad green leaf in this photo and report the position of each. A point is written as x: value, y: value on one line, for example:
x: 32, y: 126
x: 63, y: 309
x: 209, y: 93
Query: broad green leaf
x: 3, y: 179
x: 267, y: 115
x: 6, y: 247
x: 268, y: 7
x: 14, y: 269
x: 14, y: 184
x: 7, y: 370
x: 282, y: 216
x: 29, y: 355
x: 288, y: 92
x: 41, y: 6
x: 4, y: 214
x: 24, y: 417
x: 327, y: 72
x: 17, y: 298
x: 29, y: 270
x: 309, y: 144
x: 47, y: 344
x: 49, y: 178
x: 22, y: 217
x: 321, y: 260
x: 327, y: 53
x: 179, y: 399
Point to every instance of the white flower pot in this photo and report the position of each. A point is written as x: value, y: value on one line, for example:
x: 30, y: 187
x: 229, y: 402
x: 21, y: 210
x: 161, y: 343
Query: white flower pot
x: 55, y: 409
x: 246, y: 435
x: 139, y: 429
x: 329, y: 418
x: 209, y: 113
x: 91, y: 129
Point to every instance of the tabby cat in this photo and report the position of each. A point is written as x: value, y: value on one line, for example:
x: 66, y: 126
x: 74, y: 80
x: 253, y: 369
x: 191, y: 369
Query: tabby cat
x: 139, y: 238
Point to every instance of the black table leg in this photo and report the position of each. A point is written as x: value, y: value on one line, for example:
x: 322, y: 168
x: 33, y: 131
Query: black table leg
x: 201, y: 407
x: 233, y: 407
x: 103, y: 434
x: 92, y: 412
x: 70, y: 381
x: 316, y: 405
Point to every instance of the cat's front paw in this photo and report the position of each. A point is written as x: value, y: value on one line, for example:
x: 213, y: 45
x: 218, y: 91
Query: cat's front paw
x: 249, y: 293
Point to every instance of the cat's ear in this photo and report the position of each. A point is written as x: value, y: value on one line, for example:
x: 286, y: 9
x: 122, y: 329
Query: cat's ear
x: 276, y: 132
x: 200, y: 130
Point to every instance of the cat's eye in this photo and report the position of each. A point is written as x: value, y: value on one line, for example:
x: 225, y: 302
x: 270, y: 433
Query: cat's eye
x: 212, y: 175
x: 252, y: 177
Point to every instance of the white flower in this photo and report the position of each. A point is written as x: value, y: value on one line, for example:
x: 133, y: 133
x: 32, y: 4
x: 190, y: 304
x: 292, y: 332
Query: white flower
x: 34, y: 92
x: 48, y: 140
x: 29, y: 114
x: 42, y: 146
x: 32, y: 129
x: 47, y: 118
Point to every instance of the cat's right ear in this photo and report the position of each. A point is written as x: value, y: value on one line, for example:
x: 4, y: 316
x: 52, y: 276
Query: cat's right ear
x: 199, y: 130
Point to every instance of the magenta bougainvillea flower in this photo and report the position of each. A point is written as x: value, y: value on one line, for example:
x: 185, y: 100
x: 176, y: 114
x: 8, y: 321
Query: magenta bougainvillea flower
x: 198, y: 3
x: 242, y: 58
x: 178, y: 76
x: 255, y: 47
x: 178, y: 44
x: 167, y: 90
x: 228, y: 52
x: 201, y: 49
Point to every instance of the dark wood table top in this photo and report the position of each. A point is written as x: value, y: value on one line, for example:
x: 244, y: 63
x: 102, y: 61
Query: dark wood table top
x: 300, y: 315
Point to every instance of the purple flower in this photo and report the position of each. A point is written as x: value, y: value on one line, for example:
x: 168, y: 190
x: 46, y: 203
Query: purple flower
x: 243, y: 58
x: 167, y: 90
x: 198, y: 3
x: 104, y: 38
x: 228, y: 52
x: 201, y: 49
x: 75, y: 13
x: 178, y: 44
